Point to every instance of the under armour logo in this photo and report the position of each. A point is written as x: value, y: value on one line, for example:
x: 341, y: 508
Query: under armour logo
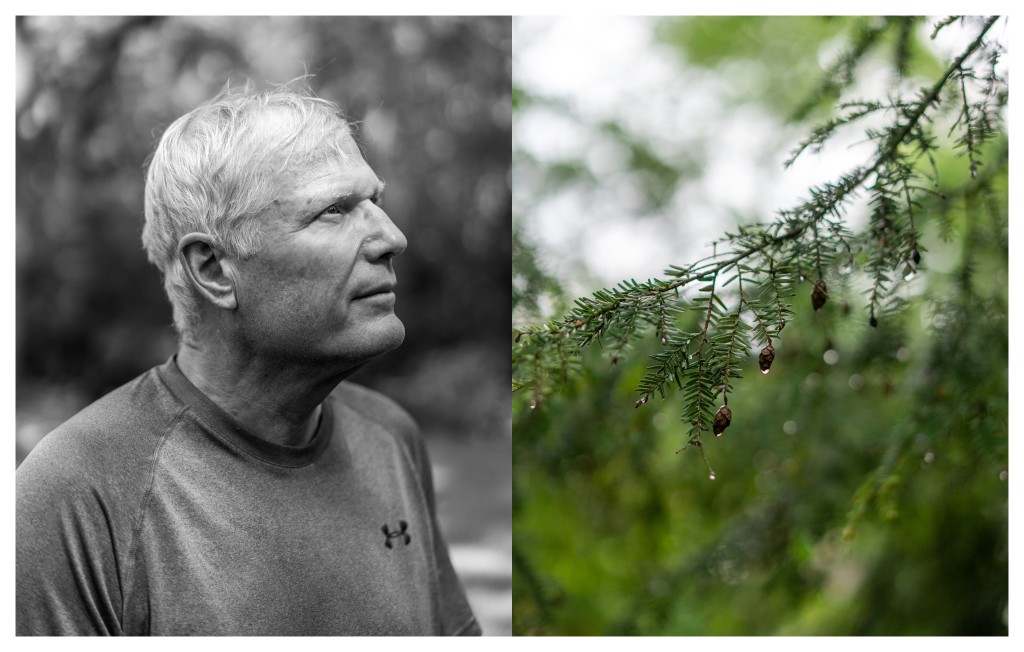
x: 397, y: 534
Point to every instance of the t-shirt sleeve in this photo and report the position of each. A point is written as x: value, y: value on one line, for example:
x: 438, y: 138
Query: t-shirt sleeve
x: 456, y: 616
x: 65, y: 570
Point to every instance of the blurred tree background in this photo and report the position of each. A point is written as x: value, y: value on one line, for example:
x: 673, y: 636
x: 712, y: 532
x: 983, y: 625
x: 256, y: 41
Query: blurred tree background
x: 431, y: 99
x: 862, y: 485
x: 432, y: 103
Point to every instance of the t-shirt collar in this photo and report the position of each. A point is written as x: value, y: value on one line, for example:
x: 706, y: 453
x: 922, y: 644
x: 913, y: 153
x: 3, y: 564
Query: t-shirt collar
x: 223, y: 426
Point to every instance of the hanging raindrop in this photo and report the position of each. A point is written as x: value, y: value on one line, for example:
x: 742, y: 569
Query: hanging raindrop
x: 722, y: 420
x: 873, y: 321
x: 819, y: 295
x: 915, y: 256
x: 533, y: 405
x: 712, y: 476
x: 766, y: 358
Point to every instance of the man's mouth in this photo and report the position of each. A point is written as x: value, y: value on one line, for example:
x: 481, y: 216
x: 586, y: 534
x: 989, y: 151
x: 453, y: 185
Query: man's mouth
x: 385, y: 289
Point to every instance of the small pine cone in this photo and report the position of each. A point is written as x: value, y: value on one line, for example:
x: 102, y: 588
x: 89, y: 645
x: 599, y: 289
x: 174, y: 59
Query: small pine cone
x: 722, y: 420
x: 819, y: 295
x: 766, y: 358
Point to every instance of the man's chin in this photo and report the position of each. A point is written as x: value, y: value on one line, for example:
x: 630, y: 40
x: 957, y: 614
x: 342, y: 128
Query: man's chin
x: 392, y: 334
x: 355, y: 347
x: 382, y: 336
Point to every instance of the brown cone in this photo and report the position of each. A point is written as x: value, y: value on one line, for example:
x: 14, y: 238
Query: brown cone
x: 766, y: 358
x: 819, y: 295
x: 722, y: 420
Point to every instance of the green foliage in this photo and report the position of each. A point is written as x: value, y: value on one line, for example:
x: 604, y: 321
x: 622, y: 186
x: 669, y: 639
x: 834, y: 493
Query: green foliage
x: 804, y: 240
x: 832, y: 484
x: 778, y: 57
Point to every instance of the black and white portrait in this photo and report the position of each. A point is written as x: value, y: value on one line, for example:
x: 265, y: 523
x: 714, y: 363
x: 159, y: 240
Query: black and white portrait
x: 261, y: 313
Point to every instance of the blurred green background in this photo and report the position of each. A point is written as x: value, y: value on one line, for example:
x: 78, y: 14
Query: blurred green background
x: 862, y: 486
x: 431, y: 99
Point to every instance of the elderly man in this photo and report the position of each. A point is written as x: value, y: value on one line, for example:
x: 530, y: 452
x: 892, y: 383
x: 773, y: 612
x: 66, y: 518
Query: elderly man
x: 244, y: 487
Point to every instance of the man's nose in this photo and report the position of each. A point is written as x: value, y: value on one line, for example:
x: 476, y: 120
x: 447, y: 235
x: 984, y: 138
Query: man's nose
x: 388, y: 239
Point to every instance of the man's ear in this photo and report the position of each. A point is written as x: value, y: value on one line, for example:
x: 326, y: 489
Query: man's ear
x: 210, y: 273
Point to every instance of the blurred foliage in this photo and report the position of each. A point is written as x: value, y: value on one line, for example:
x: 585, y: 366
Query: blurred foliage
x: 779, y: 61
x: 431, y: 97
x: 862, y: 486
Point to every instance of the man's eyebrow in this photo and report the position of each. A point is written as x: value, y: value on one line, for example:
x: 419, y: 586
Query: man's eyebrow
x: 335, y: 195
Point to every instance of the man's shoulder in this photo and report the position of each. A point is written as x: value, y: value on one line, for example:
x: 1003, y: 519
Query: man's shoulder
x: 108, y: 435
x: 382, y: 426
x: 377, y: 408
x: 373, y: 405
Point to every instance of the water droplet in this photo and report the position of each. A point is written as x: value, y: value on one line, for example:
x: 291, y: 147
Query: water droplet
x: 712, y: 476
x: 909, y: 274
x: 664, y: 339
x: 764, y: 372
x: 831, y: 357
x: 533, y: 405
x: 789, y: 427
x: 1003, y: 475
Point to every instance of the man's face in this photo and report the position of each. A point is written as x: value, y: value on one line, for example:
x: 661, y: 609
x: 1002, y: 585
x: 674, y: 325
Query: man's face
x: 321, y: 289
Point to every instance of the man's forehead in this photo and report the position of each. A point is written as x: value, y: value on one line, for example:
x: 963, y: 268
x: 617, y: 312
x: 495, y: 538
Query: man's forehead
x: 334, y: 144
x: 335, y: 153
x: 336, y: 170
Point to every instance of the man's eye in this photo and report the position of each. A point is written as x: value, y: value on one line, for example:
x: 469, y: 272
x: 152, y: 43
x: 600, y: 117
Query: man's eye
x: 335, y: 209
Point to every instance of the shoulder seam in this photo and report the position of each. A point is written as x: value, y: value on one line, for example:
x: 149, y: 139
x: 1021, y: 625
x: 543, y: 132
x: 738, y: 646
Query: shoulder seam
x: 377, y: 396
x: 137, y: 529
x: 466, y: 626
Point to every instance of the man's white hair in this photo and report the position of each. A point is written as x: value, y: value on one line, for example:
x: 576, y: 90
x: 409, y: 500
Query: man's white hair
x: 214, y: 172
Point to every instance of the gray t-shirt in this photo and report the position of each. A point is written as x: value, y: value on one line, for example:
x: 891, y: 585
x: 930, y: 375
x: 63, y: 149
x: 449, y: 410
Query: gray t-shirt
x: 152, y: 512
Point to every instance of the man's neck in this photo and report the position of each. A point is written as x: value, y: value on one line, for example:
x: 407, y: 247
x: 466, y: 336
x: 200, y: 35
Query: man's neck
x: 278, y: 402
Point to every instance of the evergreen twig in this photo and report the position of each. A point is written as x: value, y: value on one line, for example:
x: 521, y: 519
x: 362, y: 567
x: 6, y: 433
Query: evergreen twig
x: 770, y: 258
